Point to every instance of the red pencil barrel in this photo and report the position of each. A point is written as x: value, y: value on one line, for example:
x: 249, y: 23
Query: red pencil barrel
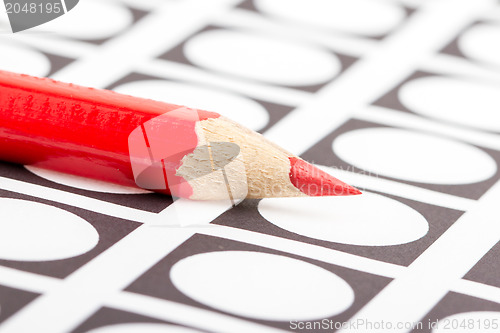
x: 72, y: 129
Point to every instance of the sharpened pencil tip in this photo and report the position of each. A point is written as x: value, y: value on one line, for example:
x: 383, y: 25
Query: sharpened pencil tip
x: 314, y: 182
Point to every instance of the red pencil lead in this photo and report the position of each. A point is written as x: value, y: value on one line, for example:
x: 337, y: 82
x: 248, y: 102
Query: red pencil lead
x: 315, y: 182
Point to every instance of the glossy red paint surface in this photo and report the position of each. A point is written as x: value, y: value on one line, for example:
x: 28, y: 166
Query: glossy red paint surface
x: 84, y: 131
x: 315, y: 182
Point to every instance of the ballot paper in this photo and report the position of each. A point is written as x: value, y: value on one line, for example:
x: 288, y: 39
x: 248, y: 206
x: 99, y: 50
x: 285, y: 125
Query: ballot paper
x: 400, y: 98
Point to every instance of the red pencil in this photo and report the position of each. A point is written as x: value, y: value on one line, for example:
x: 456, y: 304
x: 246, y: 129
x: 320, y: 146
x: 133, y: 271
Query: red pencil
x: 154, y: 145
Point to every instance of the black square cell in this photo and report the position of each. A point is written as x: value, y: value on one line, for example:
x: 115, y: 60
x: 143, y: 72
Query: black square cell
x: 108, y: 231
x: 250, y: 6
x: 322, y: 153
x: 177, y: 54
x: 13, y: 300
x: 157, y: 281
x: 458, y: 311
x: 487, y: 269
x: 452, y: 99
x: 453, y: 48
